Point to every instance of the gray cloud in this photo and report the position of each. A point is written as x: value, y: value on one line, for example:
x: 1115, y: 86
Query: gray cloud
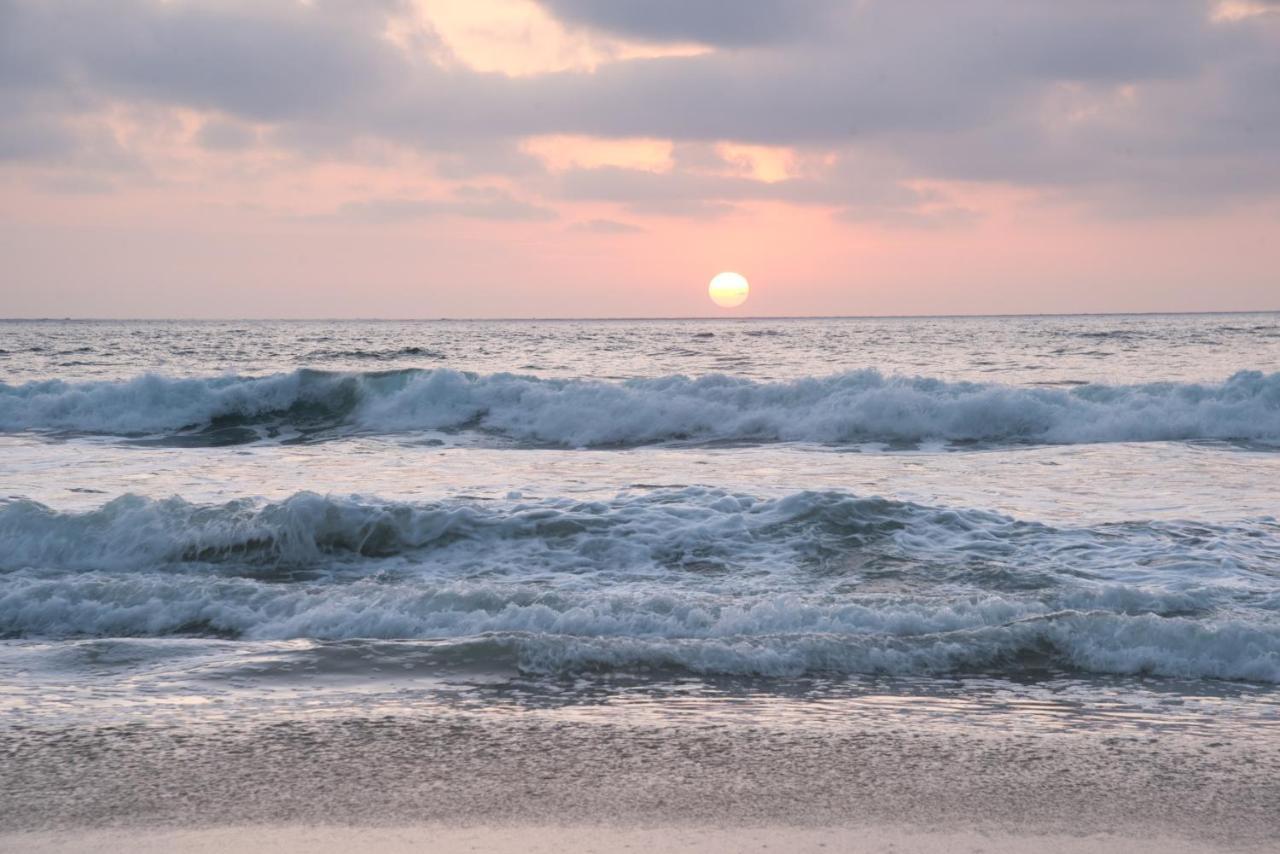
x: 269, y: 61
x: 850, y: 184
x: 1028, y: 93
x: 222, y: 135
x: 30, y: 137
x: 476, y: 159
x: 743, y: 22
x: 700, y: 196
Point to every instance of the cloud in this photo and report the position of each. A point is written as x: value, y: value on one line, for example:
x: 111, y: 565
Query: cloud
x: 933, y: 217
x: 1123, y: 106
x: 743, y: 22
x: 219, y: 134
x: 468, y: 202
x: 606, y: 226
x: 850, y: 183
x: 32, y: 137
x: 266, y: 60
x: 502, y: 157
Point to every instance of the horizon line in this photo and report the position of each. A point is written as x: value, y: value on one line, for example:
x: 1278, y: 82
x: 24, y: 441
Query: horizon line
x: 585, y: 318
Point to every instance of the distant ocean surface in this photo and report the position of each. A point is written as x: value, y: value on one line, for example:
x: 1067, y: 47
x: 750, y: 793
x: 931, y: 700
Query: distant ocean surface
x: 294, y: 516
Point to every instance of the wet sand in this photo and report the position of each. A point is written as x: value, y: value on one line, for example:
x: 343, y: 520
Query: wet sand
x: 533, y: 839
x: 517, y: 782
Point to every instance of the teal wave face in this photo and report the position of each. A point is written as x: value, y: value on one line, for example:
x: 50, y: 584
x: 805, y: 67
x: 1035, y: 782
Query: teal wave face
x: 857, y: 407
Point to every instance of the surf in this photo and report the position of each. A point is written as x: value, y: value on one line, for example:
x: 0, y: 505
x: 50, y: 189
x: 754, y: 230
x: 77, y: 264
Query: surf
x: 856, y: 407
x: 693, y: 579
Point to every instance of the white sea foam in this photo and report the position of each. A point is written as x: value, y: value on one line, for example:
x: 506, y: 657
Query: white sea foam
x: 640, y: 531
x: 697, y: 579
x: 862, y: 406
x: 781, y: 635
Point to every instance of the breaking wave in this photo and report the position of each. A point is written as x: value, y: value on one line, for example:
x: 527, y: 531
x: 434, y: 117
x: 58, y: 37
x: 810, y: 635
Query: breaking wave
x: 863, y: 406
x: 690, y: 579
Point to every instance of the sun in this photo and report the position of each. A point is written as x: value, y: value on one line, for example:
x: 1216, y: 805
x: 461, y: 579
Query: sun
x: 728, y: 290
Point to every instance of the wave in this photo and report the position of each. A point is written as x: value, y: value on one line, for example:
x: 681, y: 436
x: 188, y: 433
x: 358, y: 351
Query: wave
x: 695, y: 527
x: 784, y: 636
x: 689, y: 579
x: 862, y: 406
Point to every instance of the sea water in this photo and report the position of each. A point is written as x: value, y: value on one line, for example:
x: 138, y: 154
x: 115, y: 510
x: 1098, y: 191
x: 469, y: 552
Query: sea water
x: 1029, y: 521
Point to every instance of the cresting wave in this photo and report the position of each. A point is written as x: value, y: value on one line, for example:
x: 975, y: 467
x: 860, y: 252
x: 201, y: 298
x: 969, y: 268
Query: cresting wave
x: 689, y: 579
x: 862, y: 406
x: 638, y: 535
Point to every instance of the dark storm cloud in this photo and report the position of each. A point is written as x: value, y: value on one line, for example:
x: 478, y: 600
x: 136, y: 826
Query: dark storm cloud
x: 991, y: 90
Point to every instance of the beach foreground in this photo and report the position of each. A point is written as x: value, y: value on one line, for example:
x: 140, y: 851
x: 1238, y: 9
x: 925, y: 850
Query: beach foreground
x: 536, y: 839
x: 532, y: 783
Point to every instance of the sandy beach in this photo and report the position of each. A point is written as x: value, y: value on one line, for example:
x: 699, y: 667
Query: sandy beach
x: 530, y: 783
x: 588, y: 839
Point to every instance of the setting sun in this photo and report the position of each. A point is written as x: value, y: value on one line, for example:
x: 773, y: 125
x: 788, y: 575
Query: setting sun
x: 728, y: 290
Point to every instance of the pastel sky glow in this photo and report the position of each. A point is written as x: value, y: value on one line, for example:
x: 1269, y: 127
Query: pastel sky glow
x: 560, y: 158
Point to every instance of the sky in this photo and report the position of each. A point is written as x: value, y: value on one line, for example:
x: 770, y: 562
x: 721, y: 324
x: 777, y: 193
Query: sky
x: 601, y: 158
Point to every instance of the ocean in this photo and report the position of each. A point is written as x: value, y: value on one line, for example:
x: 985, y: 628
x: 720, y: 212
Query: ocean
x: 1042, y: 527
